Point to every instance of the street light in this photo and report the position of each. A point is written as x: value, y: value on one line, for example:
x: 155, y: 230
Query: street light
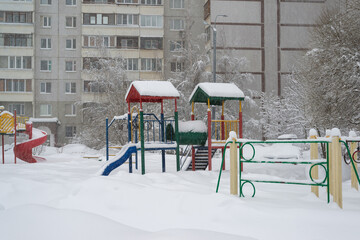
x: 214, y: 53
x: 214, y: 43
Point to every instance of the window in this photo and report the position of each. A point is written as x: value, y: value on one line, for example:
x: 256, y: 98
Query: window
x: 98, y: 1
x: 70, y: 110
x: 151, y: 43
x: 151, y: 2
x: 71, y: 44
x: 16, y: 40
x: 16, y: 17
x: 70, y: 66
x: 15, y: 85
x: 127, y: 42
x: 176, y: 3
x: 151, y: 21
x: 127, y: 19
x: 46, y: 21
x: 177, y: 46
x: 45, y: 110
x: 70, y: 22
x: 70, y: 131
x: 20, y: 108
x: 132, y: 64
x: 176, y: 24
x: 45, y: 2
x: 16, y: 62
x: 127, y: 1
x: 177, y: 67
x: 45, y: 43
x: 97, y: 41
x: 151, y: 64
x: 45, y: 65
x: 70, y: 2
x: 98, y: 19
x: 45, y: 87
x: 70, y: 87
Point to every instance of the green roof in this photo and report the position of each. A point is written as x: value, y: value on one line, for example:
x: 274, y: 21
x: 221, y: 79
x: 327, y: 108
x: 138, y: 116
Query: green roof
x: 216, y: 92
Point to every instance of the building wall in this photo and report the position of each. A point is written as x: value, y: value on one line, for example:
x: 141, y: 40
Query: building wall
x: 13, y: 98
x: 271, y: 34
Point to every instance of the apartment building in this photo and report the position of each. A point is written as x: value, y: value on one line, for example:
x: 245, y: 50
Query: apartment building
x: 271, y: 34
x: 17, y: 56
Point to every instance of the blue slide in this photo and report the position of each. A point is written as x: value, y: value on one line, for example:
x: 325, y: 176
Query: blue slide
x: 119, y: 159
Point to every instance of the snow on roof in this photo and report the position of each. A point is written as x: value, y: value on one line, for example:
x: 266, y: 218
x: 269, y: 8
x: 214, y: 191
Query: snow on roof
x: 6, y: 112
x: 154, y: 89
x: 226, y: 90
x: 44, y: 120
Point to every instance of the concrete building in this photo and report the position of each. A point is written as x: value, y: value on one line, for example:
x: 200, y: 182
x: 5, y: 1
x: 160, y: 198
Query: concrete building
x: 17, y: 56
x: 271, y: 34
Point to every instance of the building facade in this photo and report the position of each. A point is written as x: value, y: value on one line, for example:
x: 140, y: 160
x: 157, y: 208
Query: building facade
x: 46, y: 44
x: 271, y: 34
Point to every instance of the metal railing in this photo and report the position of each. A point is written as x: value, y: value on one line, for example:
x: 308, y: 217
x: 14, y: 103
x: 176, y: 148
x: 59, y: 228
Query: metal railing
x: 324, y: 163
x: 223, y: 127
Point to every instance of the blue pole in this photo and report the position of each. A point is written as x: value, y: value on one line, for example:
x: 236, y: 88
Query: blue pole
x: 107, y: 139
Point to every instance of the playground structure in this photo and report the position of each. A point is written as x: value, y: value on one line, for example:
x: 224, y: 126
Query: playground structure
x: 23, y: 150
x: 331, y: 165
x: 141, y: 92
x: 215, y: 94
x: 164, y: 134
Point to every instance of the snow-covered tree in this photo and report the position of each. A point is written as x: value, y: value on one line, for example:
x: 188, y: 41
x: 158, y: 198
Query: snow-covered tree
x: 107, y: 83
x: 323, y: 91
x: 330, y: 72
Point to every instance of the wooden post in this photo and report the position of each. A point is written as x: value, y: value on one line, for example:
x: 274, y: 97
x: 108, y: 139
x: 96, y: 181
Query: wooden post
x: 354, y: 182
x: 223, y: 129
x: 233, y: 166
x: 314, y: 154
x: 336, y: 152
x: 331, y: 180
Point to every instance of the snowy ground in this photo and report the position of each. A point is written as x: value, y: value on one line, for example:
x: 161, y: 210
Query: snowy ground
x: 63, y: 198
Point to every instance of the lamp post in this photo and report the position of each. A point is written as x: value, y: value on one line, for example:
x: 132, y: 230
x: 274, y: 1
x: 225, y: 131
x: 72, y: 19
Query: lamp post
x: 214, y: 53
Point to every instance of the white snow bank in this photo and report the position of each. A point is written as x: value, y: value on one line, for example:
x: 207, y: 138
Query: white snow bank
x: 41, y: 222
x: 192, y: 126
x: 219, y: 90
x: 287, y: 136
x: 154, y: 88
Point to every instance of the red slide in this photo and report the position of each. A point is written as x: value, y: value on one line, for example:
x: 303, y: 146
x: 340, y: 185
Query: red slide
x: 23, y: 150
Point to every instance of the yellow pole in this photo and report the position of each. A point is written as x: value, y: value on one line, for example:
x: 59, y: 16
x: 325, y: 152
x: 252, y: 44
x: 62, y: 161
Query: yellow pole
x: 354, y: 182
x: 233, y: 166
x: 314, y: 154
x: 337, y: 167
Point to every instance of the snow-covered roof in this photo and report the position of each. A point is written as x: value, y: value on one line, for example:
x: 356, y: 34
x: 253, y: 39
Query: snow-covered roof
x: 217, y: 92
x: 44, y: 120
x: 151, y: 90
x: 6, y: 112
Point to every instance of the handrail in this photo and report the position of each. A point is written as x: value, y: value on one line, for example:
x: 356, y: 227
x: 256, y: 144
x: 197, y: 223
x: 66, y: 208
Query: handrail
x: 224, y: 127
x: 186, y: 155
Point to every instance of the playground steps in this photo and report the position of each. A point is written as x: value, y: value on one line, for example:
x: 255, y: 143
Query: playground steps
x: 201, y: 158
